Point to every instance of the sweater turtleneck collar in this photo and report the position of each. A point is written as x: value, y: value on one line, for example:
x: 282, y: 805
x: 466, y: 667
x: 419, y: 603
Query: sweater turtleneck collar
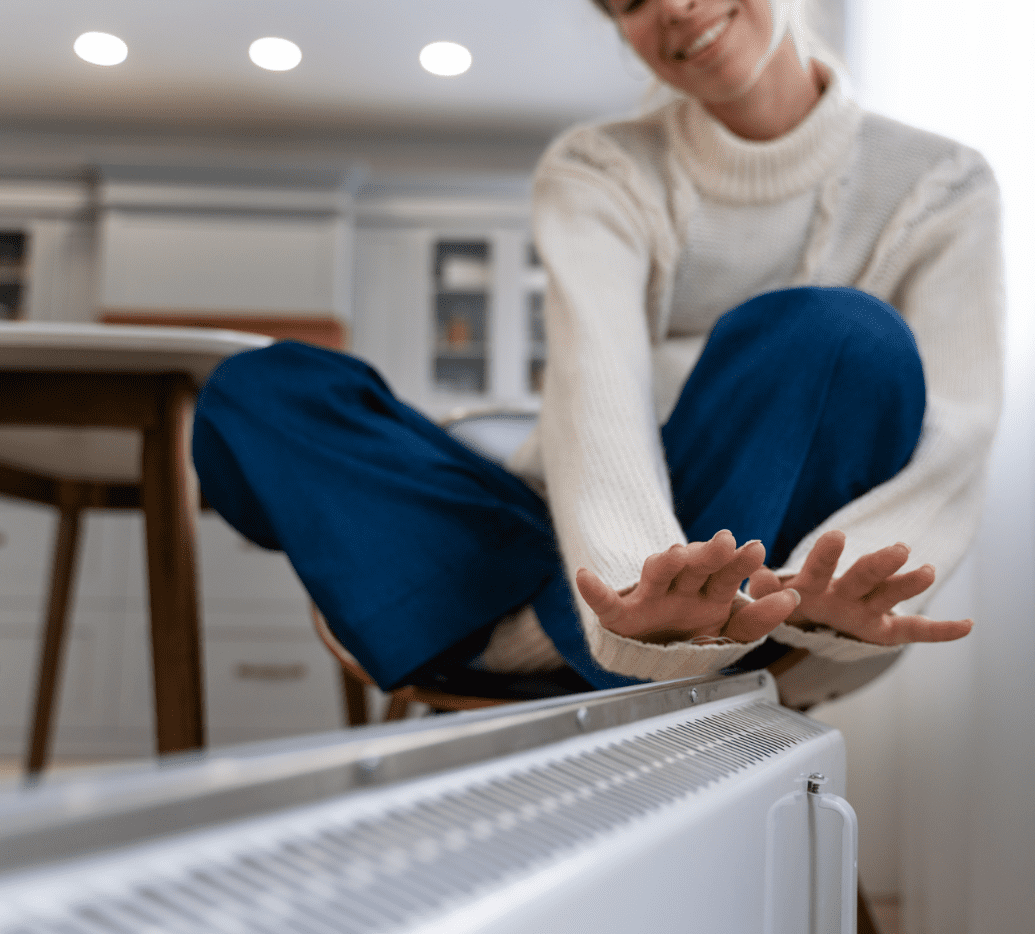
x: 729, y: 168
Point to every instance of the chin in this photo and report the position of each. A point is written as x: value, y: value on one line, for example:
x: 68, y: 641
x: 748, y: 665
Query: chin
x: 728, y: 91
x: 730, y: 80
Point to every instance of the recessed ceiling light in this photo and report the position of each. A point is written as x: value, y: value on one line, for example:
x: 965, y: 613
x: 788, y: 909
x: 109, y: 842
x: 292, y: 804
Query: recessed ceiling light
x: 100, y: 48
x: 275, y: 54
x: 445, y: 58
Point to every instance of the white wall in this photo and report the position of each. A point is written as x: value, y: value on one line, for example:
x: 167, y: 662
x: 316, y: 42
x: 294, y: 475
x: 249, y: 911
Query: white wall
x: 943, y: 750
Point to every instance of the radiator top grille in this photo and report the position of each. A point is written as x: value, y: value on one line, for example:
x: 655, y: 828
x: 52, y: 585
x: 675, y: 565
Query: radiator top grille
x: 379, y: 873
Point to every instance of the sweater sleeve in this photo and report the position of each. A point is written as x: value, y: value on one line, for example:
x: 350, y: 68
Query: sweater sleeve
x: 939, y: 263
x: 605, y: 470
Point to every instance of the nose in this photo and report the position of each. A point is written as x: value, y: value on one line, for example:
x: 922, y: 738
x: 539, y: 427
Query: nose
x: 675, y: 9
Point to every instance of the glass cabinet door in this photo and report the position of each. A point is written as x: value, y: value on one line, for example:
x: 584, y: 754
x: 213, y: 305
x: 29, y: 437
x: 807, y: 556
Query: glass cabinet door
x: 13, y: 273
x: 535, y: 292
x: 462, y: 290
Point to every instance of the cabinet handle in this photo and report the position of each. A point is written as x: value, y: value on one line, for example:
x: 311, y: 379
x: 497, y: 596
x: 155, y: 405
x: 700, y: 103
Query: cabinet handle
x: 248, y: 671
x: 3, y: 539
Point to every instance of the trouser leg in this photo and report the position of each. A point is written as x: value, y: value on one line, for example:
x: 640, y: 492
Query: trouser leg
x: 802, y: 401
x: 408, y: 542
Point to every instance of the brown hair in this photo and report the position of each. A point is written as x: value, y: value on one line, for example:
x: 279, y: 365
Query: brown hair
x: 602, y: 5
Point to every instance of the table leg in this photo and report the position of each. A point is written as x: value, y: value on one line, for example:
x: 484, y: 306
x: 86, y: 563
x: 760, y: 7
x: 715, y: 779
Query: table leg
x: 169, y: 501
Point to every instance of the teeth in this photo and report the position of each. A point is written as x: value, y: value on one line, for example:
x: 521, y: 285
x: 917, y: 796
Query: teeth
x: 707, y: 38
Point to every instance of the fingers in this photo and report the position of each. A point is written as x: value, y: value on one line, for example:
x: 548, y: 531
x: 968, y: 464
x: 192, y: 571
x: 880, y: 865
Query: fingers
x: 703, y: 559
x: 899, y: 630
x: 724, y: 583
x: 763, y: 616
x: 602, y: 600
x: 764, y: 582
x: 900, y: 587
x: 870, y: 570
x: 660, y: 571
x: 821, y: 562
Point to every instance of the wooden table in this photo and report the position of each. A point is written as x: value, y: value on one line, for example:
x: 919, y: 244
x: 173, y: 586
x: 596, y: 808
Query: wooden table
x: 103, y: 377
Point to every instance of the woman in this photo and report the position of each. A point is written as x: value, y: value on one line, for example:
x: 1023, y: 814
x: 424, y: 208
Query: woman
x: 789, y: 287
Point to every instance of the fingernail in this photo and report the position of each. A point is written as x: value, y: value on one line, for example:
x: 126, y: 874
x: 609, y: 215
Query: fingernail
x: 797, y: 596
x: 903, y: 545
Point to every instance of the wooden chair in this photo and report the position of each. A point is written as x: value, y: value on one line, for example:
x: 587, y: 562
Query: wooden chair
x: 354, y: 682
x: 65, y: 385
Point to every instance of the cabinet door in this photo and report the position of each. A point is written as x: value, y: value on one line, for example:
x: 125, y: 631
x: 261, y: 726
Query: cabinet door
x: 266, y: 672
x: 391, y: 329
x: 533, y: 293
x: 92, y: 662
x: 61, y: 279
x: 519, y: 344
x: 82, y: 690
x: 462, y: 317
x: 288, y: 263
x: 26, y: 531
x: 237, y: 575
x: 268, y: 682
x: 443, y: 314
x: 14, y: 271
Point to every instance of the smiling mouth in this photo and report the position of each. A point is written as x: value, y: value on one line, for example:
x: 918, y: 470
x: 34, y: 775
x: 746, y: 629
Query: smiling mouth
x: 704, y: 40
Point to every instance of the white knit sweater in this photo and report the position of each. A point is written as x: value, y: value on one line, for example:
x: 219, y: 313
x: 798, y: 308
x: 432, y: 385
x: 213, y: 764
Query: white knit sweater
x: 650, y: 229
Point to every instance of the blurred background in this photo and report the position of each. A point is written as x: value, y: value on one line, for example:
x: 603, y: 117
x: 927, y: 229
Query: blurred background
x: 358, y: 188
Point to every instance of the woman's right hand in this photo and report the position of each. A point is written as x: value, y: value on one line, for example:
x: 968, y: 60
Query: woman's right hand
x: 688, y: 592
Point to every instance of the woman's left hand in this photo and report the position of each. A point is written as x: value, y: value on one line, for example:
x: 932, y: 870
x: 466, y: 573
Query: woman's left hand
x: 859, y: 603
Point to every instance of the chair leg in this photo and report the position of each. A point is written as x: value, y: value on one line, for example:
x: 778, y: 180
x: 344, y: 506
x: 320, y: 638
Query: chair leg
x: 355, y: 695
x: 169, y: 500
x: 62, y: 582
x: 399, y: 704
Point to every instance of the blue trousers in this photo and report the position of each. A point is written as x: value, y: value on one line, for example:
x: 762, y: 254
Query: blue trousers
x: 411, y: 544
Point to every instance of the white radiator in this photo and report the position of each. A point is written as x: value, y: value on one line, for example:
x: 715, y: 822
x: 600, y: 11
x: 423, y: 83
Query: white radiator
x: 681, y: 807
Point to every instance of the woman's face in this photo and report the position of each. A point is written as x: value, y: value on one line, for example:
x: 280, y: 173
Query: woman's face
x: 713, y: 50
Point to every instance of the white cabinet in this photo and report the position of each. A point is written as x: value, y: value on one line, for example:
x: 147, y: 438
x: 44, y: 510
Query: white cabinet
x: 449, y: 309
x: 47, y: 251
x: 202, y: 243
x: 266, y: 672
x: 220, y: 263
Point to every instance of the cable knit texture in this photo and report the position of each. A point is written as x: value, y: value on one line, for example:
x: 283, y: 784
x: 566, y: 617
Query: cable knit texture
x: 651, y: 228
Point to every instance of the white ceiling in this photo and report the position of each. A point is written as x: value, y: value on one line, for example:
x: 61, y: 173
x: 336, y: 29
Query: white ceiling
x: 538, y: 64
